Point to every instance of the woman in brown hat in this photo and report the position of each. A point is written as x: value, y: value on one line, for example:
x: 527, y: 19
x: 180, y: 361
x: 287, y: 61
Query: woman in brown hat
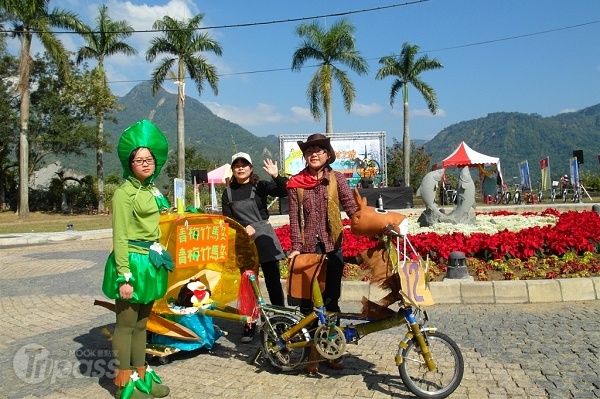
x: 315, y: 221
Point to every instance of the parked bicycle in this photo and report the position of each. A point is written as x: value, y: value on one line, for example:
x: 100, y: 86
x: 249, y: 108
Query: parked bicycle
x: 502, y: 195
x: 517, y: 195
x: 564, y: 184
x: 576, y: 197
x: 553, y: 191
x: 448, y: 195
x: 429, y: 362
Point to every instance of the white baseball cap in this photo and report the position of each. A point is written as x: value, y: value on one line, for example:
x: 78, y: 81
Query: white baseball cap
x: 242, y: 155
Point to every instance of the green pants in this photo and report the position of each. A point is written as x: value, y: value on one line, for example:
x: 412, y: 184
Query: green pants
x: 129, y: 339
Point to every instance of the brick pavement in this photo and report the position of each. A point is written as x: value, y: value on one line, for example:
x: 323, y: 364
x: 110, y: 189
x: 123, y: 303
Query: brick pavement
x: 544, y: 350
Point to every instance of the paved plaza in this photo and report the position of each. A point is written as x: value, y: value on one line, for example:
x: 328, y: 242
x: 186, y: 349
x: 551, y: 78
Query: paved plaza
x: 542, y: 350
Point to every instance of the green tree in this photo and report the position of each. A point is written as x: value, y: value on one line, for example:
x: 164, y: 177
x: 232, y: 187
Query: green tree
x: 328, y: 47
x: 407, y: 68
x: 10, y: 127
x: 194, y: 160
x: 183, y: 45
x: 419, y: 161
x: 102, y: 41
x: 58, y: 125
x: 32, y: 18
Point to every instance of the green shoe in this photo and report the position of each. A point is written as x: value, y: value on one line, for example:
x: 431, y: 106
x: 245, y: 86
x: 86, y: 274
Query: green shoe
x: 152, y: 380
x: 159, y: 390
x: 136, y: 394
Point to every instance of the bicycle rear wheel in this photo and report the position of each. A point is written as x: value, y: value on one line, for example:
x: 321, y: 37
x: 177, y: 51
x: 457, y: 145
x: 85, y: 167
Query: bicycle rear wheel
x: 435, y: 384
x: 284, y: 359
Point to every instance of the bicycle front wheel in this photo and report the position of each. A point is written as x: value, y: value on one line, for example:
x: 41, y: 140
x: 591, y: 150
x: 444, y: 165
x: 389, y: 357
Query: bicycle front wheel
x: 432, y: 384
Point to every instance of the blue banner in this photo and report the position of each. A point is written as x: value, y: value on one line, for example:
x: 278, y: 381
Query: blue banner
x: 524, y: 172
x: 574, y: 167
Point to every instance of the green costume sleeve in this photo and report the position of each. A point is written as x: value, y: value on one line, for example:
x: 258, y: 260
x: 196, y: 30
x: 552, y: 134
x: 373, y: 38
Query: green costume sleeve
x: 122, y: 208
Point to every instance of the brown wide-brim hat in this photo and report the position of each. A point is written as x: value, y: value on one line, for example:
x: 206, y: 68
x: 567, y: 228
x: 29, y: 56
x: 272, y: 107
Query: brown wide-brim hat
x: 318, y: 140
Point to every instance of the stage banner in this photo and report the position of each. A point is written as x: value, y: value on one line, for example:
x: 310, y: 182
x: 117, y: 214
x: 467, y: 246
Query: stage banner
x: 360, y: 155
x: 545, y: 168
x: 524, y: 172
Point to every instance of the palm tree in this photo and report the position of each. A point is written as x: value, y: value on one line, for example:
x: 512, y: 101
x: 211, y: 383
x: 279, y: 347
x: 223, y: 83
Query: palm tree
x: 32, y: 18
x: 407, y: 70
x: 183, y: 44
x: 104, y: 40
x: 328, y: 47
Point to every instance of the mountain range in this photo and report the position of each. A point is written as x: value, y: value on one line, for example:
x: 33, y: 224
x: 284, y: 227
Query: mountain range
x: 512, y: 136
x: 215, y: 138
x: 516, y: 137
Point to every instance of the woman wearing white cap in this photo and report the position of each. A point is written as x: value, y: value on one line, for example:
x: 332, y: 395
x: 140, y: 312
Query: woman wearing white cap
x: 245, y: 201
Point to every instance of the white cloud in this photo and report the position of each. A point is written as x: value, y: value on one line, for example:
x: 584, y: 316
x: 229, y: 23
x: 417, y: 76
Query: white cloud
x: 366, y: 109
x: 423, y: 112
x: 301, y: 114
x: 567, y: 110
x: 262, y: 114
x: 141, y: 17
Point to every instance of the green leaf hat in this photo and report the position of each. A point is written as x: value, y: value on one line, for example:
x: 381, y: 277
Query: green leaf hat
x: 143, y: 134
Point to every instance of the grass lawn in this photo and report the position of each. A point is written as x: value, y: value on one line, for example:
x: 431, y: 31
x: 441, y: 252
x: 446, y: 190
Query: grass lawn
x: 39, y: 222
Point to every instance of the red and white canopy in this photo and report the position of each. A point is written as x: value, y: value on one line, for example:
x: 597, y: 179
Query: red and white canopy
x: 466, y: 156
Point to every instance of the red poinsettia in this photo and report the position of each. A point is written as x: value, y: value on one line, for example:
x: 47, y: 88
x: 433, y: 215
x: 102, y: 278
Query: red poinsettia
x: 574, y: 232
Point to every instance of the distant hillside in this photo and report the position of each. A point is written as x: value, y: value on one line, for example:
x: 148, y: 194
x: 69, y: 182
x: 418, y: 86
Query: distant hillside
x: 215, y: 138
x: 515, y: 137
x: 511, y: 136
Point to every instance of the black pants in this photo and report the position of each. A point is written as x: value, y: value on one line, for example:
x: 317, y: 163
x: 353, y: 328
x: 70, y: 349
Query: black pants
x: 273, y: 282
x: 333, y: 282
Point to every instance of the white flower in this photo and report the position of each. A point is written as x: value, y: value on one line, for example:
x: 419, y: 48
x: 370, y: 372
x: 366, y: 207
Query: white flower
x: 484, y: 224
x: 156, y: 247
x: 127, y: 276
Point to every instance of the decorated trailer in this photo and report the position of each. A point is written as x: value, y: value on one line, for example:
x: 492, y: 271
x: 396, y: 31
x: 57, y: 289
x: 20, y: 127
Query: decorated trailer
x: 360, y: 156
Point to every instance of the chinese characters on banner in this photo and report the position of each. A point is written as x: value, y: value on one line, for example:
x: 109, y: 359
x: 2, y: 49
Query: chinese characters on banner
x: 200, y: 244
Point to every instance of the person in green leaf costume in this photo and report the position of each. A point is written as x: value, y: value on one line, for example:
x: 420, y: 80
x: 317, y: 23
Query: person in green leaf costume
x: 136, y: 270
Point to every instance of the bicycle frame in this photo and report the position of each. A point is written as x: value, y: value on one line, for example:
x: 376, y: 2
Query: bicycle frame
x: 351, y: 333
x: 287, y: 335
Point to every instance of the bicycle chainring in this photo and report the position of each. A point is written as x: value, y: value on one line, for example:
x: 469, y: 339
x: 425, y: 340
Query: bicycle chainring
x: 330, y: 346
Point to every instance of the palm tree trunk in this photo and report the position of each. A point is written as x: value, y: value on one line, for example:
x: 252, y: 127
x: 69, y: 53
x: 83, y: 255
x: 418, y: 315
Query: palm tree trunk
x: 406, y: 147
x: 180, y: 132
x: 328, y: 119
x: 24, y: 68
x: 100, y: 162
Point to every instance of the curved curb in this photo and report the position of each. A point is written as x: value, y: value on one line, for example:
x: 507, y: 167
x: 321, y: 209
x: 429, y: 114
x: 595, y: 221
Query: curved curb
x: 449, y: 291
x: 468, y: 292
x: 22, y: 239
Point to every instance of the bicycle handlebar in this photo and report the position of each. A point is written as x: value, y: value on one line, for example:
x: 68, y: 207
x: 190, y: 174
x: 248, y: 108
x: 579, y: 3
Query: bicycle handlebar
x: 390, y: 230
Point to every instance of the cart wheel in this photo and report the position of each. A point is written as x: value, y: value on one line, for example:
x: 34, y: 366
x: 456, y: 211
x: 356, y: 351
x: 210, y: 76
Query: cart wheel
x: 163, y: 360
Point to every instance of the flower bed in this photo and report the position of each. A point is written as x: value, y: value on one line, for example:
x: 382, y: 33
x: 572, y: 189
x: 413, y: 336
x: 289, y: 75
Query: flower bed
x: 500, y: 246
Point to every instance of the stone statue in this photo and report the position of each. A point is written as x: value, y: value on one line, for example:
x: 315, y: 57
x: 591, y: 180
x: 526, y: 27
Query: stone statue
x: 465, y: 200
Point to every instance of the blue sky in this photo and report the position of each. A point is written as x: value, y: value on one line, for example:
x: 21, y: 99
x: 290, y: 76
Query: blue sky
x: 533, y: 56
